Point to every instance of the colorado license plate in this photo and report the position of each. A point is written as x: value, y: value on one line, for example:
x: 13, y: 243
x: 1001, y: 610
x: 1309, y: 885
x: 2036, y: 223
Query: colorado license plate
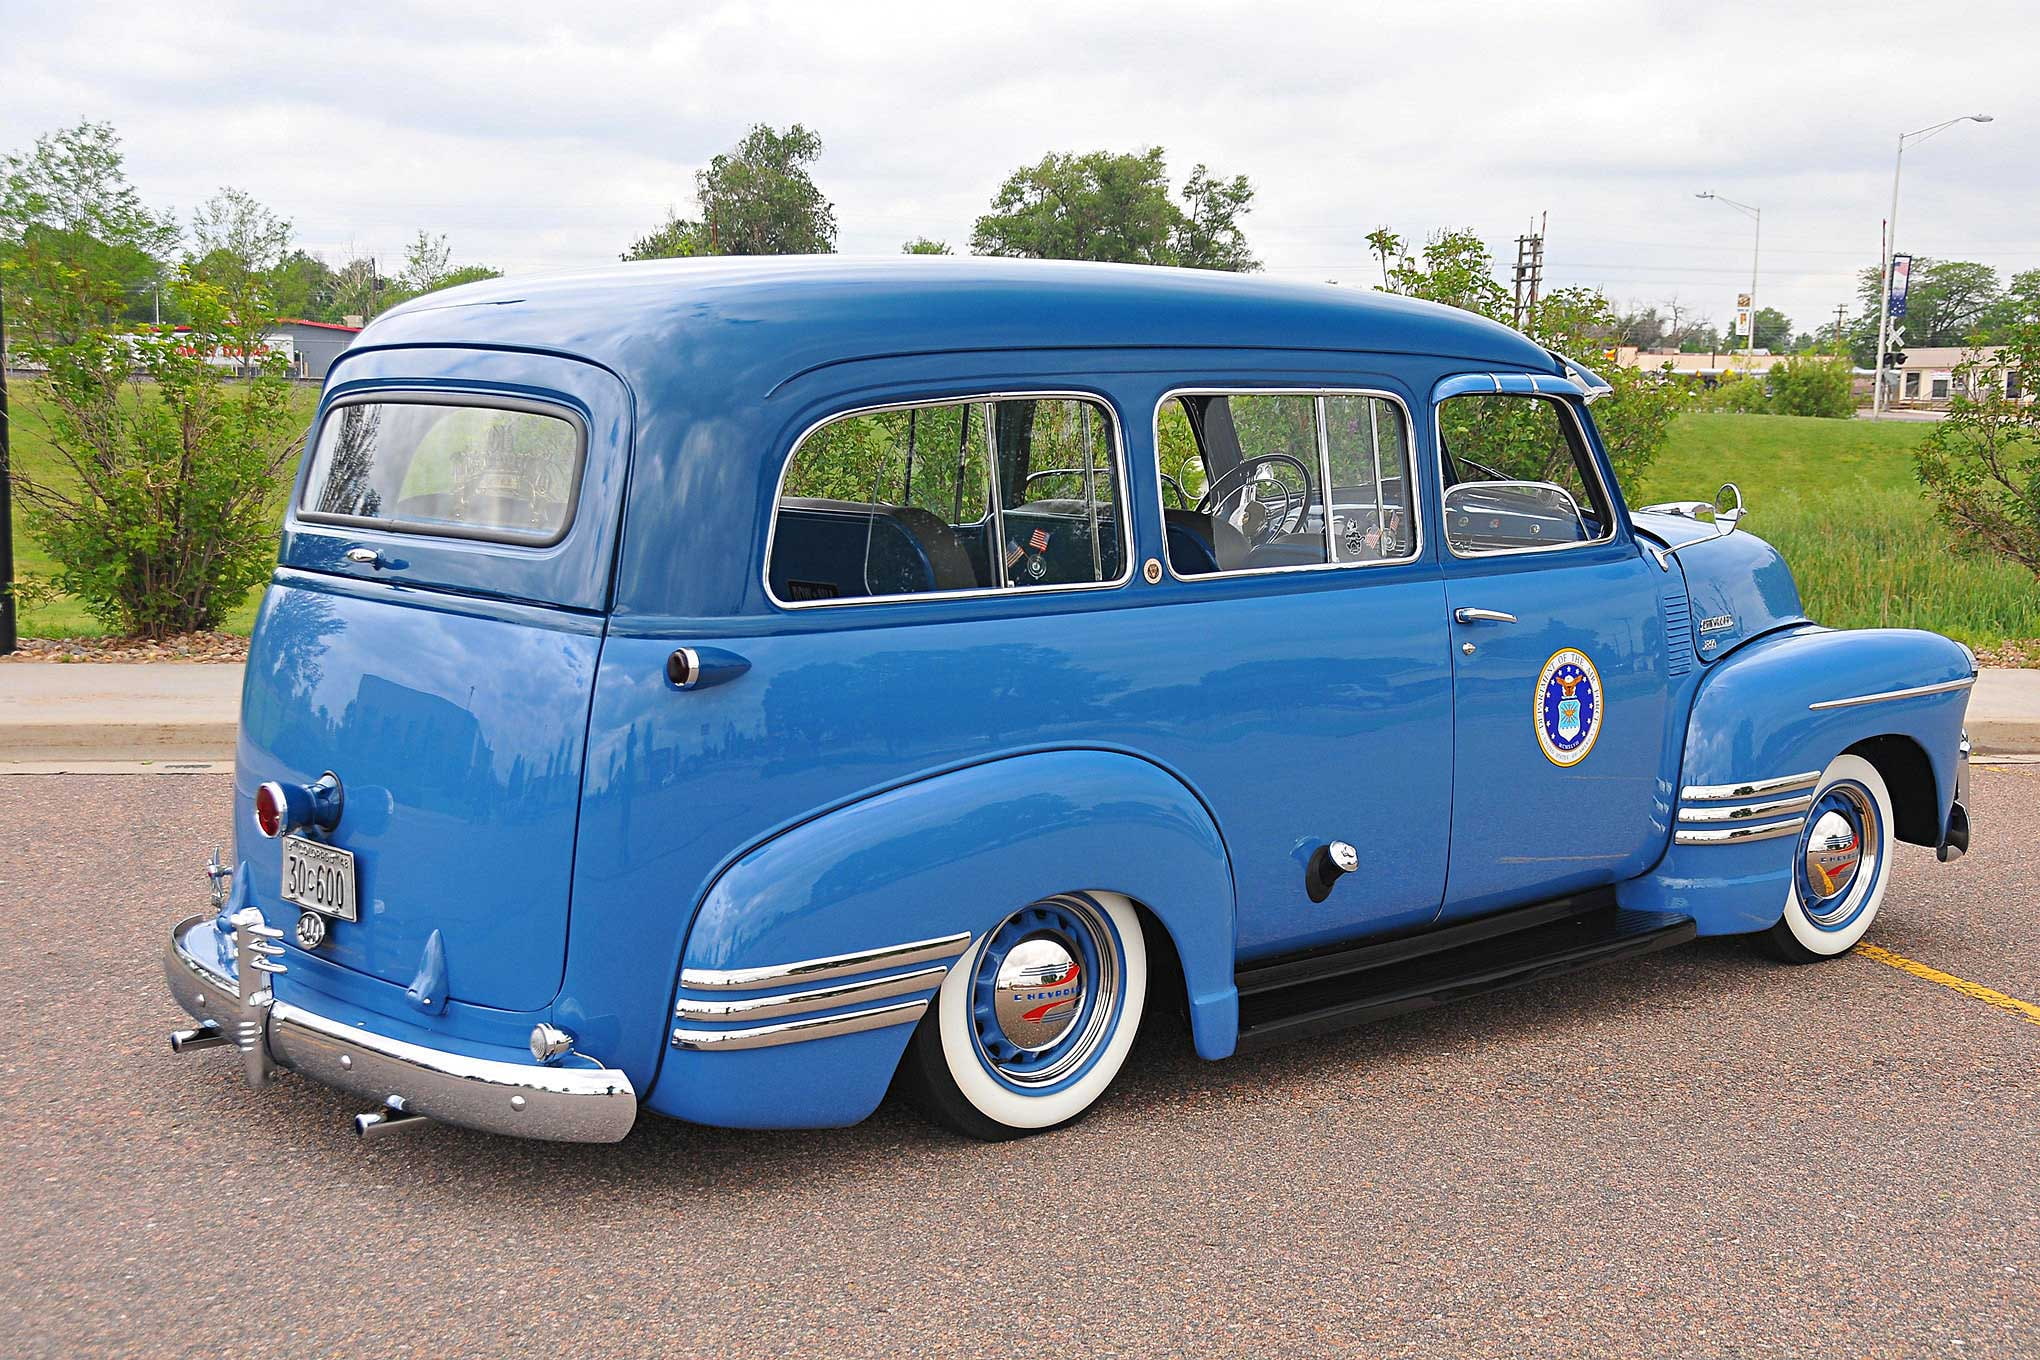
x: 319, y: 877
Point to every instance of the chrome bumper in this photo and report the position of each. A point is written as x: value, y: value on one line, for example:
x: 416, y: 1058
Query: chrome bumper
x: 1956, y: 842
x: 525, y: 1100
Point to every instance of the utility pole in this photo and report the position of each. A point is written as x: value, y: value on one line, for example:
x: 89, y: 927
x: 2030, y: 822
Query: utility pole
x: 7, y: 621
x: 1884, y: 317
x: 1841, y: 309
x: 1529, y: 271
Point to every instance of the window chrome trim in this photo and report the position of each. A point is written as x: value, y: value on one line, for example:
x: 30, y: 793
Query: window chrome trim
x: 818, y: 999
x: 1753, y: 788
x: 468, y: 400
x: 799, y: 1031
x: 1413, y: 511
x: 1124, y: 503
x: 1528, y: 393
x: 828, y: 966
x: 1886, y: 696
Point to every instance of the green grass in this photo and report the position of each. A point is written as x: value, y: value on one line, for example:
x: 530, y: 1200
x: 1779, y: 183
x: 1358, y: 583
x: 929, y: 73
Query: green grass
x: 1838, y: 499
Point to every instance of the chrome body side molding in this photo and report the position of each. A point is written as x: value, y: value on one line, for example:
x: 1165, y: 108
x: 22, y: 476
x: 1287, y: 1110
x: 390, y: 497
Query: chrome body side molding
x: 797, y: 1031
x: 833, y: 965
x: 1755, y: 788
x: 1731, y: 835
x: 818, y: 999
x: 1886, y: 696
x: 1747, y: 812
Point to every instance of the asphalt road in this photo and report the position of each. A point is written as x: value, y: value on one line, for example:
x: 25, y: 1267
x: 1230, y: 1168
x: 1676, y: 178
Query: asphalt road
x: 1701, y: 1154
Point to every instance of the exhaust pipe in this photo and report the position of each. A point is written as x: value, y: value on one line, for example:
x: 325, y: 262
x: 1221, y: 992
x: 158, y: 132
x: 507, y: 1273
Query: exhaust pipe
x: 207, y: 1035
x: 381, y: 1123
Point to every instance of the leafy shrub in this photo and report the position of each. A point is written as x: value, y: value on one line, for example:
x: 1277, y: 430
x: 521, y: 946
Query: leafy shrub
x: 1741, y: 393
x: 1981, y: 465
x: 158, y: 513
x: 1812, y: 385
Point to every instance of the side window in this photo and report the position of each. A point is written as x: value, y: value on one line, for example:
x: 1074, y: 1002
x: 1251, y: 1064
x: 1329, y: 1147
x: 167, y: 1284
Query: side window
x: 949, y: 496
x: 1269, y: 481
x: 1369, y: 452
x: 1518, y: 476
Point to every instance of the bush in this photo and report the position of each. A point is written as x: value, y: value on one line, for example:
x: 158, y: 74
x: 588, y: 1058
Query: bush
x: 158, y: 514
x: 1741, y: 393
x: 1812, y: 385
x: 1981, y: 465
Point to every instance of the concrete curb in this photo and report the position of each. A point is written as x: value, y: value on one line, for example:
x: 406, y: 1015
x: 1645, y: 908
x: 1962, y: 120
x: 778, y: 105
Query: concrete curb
x: 103, y: 711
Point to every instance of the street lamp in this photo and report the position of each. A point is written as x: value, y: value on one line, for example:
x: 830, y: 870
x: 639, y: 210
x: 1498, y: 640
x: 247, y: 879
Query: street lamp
x: 1891, y: 246
x: 1755, y: 215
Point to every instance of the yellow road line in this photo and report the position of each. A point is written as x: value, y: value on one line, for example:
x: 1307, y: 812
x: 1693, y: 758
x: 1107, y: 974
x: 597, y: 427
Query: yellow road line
x: 2025, y: 1010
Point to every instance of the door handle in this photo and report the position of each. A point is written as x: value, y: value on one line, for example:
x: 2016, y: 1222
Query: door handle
x: 1464, y: 615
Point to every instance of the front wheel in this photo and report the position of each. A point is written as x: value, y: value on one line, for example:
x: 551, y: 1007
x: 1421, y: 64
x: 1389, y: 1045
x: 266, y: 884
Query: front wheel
x: 1841, y: 865
x: 1035, y: 1020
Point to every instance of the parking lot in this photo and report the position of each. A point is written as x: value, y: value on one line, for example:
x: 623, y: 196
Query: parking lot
x: 1701, y: 1154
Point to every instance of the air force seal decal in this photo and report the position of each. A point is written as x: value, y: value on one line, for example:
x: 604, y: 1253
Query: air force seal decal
x: 1569, y: 707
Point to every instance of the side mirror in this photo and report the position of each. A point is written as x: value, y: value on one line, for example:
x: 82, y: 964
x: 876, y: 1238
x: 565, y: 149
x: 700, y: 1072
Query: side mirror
x: 1728, y: 509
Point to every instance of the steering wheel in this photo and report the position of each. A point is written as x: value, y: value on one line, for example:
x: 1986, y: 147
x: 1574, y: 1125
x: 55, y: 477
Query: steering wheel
x: 1294, y: 503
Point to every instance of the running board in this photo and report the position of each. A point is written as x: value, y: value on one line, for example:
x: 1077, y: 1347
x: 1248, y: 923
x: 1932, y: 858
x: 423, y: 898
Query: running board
x: 1290, y: 999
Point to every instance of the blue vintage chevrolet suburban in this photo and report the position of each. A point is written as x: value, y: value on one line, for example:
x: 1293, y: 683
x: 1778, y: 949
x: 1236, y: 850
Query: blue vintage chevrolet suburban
x: 732, y: 687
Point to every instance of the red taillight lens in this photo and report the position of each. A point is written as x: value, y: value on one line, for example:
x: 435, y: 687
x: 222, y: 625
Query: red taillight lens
x: 269, y: 810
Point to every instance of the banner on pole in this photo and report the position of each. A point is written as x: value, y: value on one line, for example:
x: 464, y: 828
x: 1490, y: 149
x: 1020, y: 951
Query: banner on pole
x: 1901, y: 275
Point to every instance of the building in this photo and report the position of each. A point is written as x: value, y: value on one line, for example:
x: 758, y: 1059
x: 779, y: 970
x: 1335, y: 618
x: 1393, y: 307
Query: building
x: 311, y: 345
x: 1928, y: 378
x: 1709, y: 368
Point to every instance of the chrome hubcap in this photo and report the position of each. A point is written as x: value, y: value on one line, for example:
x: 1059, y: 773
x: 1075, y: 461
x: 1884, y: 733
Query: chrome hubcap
x: 1038, y: 993
x: 1833, y: 852
x: 1838, y: 856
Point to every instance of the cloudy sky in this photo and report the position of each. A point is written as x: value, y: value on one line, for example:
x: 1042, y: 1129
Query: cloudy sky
x: 543, y: 136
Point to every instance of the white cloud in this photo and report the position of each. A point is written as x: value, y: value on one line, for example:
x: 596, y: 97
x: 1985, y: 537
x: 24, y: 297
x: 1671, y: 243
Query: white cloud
x: 538, y: 142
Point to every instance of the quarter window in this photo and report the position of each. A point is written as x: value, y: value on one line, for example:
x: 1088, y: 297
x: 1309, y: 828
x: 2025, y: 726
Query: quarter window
x: 1014, y: 493
x: 1270, y: 481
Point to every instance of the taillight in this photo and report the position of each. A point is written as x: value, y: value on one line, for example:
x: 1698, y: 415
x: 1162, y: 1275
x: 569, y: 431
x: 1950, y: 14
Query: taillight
x: 269, y: 809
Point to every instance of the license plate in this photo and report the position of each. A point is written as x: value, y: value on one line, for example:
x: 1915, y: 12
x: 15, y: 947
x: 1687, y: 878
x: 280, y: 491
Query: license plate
x: 319, y: 877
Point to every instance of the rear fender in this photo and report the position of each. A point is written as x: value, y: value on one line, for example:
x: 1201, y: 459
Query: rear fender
x: 1785, y: 706
x: 935, y: 860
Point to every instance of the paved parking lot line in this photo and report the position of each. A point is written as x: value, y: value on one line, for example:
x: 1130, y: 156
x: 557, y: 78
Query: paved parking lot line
x: 2025, y: 1010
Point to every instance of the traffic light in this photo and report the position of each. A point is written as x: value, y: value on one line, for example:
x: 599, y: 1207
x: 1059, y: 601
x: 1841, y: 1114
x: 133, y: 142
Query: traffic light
x: 1895, y: 359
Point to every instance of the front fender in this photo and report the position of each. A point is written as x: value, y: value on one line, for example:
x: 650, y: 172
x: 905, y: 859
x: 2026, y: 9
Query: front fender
x: 1785, y: 706
x: 946, y: 855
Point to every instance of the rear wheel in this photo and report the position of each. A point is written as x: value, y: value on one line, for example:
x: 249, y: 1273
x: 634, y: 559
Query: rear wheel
x: 1840, y: 867
x: 1035, y: 1020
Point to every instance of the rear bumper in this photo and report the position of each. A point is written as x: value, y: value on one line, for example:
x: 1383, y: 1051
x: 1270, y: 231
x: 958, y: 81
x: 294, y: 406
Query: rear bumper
x: 205, y: 963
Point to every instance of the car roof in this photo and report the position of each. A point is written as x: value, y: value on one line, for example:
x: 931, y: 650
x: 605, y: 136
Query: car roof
x: 779, y: 316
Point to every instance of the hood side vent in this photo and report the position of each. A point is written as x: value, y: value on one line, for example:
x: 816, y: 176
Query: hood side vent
x: 1678, y: 633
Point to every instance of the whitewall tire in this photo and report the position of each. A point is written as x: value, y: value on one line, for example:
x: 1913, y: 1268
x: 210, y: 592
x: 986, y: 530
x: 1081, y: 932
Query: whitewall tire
x: 1841, y: 864
x: 1035, y: 1020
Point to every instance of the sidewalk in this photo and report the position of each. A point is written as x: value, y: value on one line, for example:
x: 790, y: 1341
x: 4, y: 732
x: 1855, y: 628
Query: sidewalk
x: 91, y: 711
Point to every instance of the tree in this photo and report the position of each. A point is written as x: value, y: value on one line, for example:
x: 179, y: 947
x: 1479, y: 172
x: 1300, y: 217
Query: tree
x: 78, y: 249
x: 1947, y: 301
x: 921, y: 245
x: 758, y: 198
x: 1634, y: 419
x: 1981, y: 464
x: 2019, y: 305
x: 160, y: 513
x: 1102, y: 206
x: 302, y: 286
x: 1386, y: 246
x: 427, y: 261
x: 360, y: 289
x: 238, y: 245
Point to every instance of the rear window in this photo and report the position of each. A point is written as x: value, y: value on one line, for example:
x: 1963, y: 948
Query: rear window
x: 502, y: 472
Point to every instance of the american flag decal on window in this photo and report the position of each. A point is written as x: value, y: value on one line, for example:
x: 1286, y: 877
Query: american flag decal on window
x: 1039, y: 542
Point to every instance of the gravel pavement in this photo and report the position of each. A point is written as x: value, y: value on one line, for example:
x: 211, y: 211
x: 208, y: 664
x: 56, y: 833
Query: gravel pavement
x: 1698, y: 1154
